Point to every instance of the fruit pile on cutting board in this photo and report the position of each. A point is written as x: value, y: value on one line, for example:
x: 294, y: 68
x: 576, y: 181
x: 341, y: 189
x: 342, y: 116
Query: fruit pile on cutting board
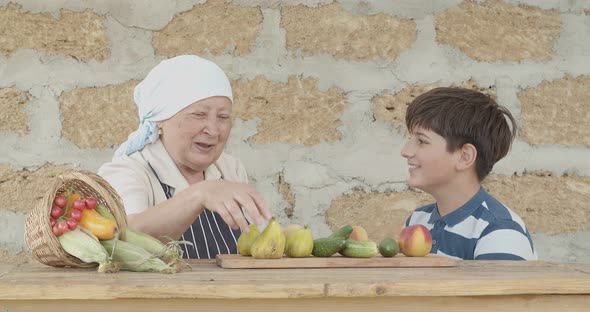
x: 87, y: 230
x: 297, y: 241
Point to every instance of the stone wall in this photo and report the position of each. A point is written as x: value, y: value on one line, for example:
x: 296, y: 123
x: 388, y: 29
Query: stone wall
x: 321, y: 88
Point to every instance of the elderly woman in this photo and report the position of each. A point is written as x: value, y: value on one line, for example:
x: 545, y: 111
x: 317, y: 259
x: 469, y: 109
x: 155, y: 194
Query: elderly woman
x: 172, y: 174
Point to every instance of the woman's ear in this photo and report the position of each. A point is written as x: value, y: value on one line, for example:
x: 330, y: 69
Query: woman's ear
x: 159, y: 125
x: 468, y: 154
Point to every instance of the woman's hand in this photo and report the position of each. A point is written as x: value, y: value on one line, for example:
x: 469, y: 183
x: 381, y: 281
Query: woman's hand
x: 226, y: 198
x: 173, y: 216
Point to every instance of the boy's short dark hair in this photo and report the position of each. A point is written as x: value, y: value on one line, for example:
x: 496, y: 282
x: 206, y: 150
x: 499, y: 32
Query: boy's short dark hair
x: 464, y: 116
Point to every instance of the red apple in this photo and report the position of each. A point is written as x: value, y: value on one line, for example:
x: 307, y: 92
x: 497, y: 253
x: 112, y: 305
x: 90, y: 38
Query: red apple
x: 358, y: 233
x: 415, y: 241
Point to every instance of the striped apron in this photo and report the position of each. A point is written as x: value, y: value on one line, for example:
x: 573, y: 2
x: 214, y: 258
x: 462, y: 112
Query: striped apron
x: 209, y: 234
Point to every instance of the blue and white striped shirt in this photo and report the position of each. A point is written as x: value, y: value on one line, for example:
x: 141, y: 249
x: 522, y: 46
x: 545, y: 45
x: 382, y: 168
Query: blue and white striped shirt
x: 481, y: 229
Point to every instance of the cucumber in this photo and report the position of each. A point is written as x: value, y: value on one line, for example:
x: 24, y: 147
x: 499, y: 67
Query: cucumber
x: 360, y: 249
x: 388, y: 247
x: 327, y: 246
x: 342, y: 232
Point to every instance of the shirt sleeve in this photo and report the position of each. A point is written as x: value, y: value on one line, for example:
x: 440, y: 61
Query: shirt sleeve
x: 132, y: 186
x: 241, y: 171
x: 504, y: 241
x: 408, y: 221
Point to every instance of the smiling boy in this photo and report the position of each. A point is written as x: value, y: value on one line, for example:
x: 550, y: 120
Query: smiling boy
x: 456, y: 137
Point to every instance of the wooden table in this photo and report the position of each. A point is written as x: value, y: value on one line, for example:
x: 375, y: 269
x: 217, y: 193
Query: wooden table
x: 471, y: 286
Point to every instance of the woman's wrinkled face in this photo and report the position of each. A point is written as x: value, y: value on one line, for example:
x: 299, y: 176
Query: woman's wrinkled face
x: 195, y: 137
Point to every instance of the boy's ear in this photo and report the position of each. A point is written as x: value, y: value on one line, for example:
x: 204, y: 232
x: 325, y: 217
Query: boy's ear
x: 467, y: 156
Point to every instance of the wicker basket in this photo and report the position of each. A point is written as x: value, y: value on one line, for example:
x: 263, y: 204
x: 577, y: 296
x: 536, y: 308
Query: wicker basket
x: 39, y: 236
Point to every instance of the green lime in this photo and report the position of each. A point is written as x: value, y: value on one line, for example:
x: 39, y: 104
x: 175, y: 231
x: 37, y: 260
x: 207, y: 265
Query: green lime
x: 388, y: 247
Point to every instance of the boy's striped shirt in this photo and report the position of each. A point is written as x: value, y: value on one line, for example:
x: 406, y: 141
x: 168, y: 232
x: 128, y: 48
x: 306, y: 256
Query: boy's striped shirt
x: 482, y: 229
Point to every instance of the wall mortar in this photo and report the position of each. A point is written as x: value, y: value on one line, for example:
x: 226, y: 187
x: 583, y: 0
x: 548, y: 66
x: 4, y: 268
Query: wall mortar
x: 321, y: 88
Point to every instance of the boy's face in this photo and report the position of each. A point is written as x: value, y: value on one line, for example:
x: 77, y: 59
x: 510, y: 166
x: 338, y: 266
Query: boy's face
x: 432, y: 167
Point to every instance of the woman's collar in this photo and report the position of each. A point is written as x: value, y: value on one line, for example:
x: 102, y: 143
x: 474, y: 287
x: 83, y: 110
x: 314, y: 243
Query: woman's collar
x: 167, y: 171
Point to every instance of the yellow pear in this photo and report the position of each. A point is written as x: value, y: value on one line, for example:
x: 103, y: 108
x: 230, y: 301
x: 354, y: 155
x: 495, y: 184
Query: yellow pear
x: 271, y: 242
x: 300, y: 243
x: 246, y: 240
x: 291, y: 229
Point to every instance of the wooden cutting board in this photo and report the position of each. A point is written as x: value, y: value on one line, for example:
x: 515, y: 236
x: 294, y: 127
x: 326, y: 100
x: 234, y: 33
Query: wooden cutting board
x: 336, y: 261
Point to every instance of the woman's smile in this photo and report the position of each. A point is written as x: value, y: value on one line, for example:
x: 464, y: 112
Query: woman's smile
x: 204, y: 147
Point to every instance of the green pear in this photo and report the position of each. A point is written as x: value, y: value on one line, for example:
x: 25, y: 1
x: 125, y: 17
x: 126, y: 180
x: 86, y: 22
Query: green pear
x: 271, y: 242
x: 299, y: 243
x: 246, y: 240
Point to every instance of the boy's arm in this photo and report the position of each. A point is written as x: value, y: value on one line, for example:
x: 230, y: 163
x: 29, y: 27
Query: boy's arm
x: 505, y: 240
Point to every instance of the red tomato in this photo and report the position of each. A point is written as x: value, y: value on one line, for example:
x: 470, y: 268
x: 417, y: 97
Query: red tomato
x: 53, y: 221
x: 76, y: 215
x: 55, y: 230
x: 55, y: 212
x: 60, y: 201
x: 62, y: 227
x: 72, y: 224
x: 90, y: 202
x: 79, y: 204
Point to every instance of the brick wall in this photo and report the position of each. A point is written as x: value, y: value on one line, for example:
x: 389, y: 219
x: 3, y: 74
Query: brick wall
x: 321, y: 89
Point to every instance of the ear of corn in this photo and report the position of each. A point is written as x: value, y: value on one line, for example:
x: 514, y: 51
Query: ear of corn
x: 85, y: 248
x: 104, y: 211
x: 151, y: 244
x: 134, y: 258
x: 85, y: 231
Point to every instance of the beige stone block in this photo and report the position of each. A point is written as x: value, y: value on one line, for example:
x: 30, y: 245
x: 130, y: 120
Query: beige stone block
x: 391, y: 108
x: 546, y: 203
x: 557, y: 112
x: 285, y: 191
x: 80, y: 35
x: 16, y: 259
x: 99, y: 117
x: 216, y: 27
x: 22, y: 190
x: 295, y: 112
x: 493, y: 30
x: 332, y: 30
x: 381, y: 214
x: 12, y: 105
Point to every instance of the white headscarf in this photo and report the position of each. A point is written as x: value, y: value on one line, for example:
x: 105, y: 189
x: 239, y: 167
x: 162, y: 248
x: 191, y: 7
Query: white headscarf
x: 168, y: 88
